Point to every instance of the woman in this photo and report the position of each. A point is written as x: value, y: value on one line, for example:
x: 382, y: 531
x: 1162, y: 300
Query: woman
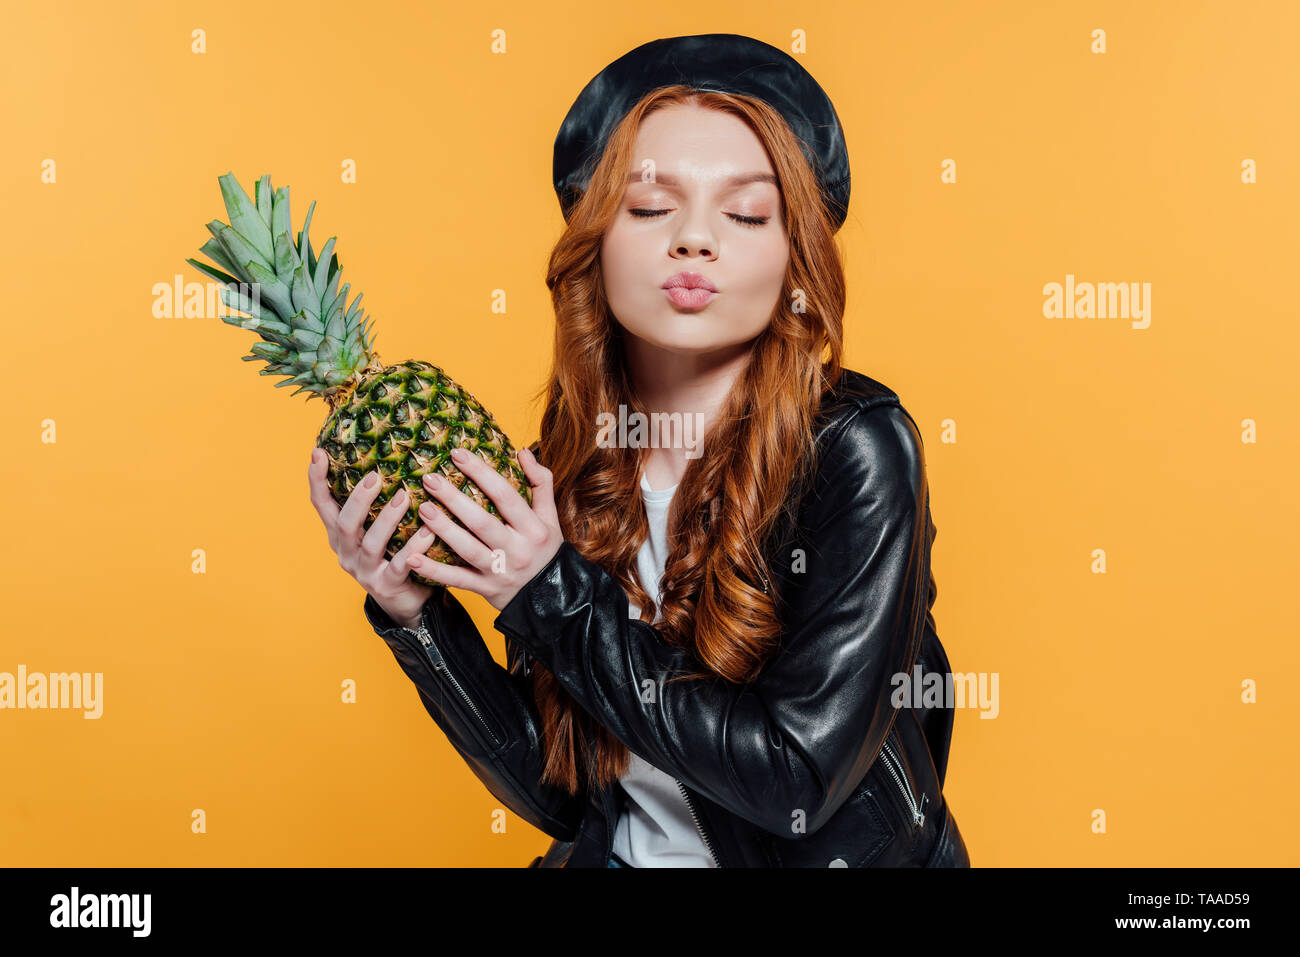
x: 704, y: 631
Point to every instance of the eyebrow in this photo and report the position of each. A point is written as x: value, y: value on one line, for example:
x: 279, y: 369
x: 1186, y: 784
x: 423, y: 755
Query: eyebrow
x: 667, y: 179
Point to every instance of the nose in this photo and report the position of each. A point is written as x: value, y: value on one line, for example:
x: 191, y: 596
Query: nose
x: 695, y: 239
x: 692, y: 250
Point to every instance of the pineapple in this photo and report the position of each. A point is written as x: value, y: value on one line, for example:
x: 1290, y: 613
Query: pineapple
x: 401, y: 420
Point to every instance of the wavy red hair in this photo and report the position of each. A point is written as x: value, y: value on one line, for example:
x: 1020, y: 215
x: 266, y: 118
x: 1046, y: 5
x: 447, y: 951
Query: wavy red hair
x: 757, y: 453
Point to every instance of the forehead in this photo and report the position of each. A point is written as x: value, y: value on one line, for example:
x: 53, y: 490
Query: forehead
x: 697, y: 141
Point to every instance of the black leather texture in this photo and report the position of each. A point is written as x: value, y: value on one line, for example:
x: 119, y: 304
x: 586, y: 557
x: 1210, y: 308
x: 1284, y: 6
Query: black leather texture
x: 809, y: 765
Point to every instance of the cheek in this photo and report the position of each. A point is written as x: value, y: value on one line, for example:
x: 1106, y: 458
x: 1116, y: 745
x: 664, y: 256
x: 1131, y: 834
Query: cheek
x: 620, y: 262
x: 768, y: 262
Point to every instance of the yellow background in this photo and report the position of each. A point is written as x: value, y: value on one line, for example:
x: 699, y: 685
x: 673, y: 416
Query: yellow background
x: 1119, y: 692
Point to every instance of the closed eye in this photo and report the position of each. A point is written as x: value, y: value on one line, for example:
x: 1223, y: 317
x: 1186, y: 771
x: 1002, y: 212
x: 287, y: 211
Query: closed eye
x: 752, y: 221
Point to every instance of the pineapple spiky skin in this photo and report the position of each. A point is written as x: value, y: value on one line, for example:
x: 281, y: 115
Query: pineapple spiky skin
x: 403, y: 421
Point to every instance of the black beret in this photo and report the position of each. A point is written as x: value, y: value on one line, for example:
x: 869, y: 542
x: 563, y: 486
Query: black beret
x: 724, y: 62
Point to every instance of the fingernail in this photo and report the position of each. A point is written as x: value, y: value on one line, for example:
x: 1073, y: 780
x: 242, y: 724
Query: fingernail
x: 313, y: 456
x: 431, y: 480
x: 372, y: 480
x: 400, y: 498
x: 460, y: 455
x: 427, y: 510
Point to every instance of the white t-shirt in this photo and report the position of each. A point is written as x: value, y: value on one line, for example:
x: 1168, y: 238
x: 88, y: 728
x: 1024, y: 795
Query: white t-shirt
x: 655, y: 828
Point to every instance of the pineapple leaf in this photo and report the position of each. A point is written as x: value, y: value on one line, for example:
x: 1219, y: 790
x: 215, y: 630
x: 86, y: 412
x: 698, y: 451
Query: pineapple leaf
x: 333, y: 317
x: 264, y: 199
x: 217, y: 253
x: 303, y: 241
x: 335, y: 271
x: 239, y: 299
x: 269, y: 351
x: 276, y: 332
x: 216, y: 274
x: 286, y: 257
x: 321, y: 275
x: 307, y: 338
x: 355, y: 308
x: 334, y: 326
x: 273, y: 290
x: 237, y: 248
x: 281, y: 220
x: 299, y: 379
x: 244, y: 217
x: 304, y: 292
x: 244, y: 322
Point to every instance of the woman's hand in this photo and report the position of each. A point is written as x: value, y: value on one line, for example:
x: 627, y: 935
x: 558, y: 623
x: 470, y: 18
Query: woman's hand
x: 361, y: 550
x: 503, y: 556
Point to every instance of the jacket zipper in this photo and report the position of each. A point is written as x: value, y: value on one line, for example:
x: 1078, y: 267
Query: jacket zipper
x: 690, y: 806
x: 440, y: 664
x: 900, y: 778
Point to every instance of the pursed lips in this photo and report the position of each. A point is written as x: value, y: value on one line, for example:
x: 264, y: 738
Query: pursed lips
x: 689, y: 280
x: 689, y: 290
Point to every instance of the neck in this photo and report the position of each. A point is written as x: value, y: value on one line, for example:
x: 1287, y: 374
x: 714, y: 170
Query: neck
x: 665, y: 381
x: 692, y: 385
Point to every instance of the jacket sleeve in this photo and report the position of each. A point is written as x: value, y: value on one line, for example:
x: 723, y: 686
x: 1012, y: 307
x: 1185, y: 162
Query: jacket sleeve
x: 792, y: 745
x: 487, y: 712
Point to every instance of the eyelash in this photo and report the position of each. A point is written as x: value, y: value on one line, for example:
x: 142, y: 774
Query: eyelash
x: 750, y: 221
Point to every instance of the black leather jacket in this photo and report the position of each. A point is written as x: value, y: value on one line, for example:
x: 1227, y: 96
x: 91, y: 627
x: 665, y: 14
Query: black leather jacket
x: 810, y: 765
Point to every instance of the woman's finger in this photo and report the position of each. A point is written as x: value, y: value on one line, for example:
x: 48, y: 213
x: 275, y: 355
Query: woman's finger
x: 352, y: 515
x: 458, y: 539
x: 420, y: 542
x: 456, y: 576
x: 542, y: 481
x: 374, y: 543
x: 490, y: 530
x: 321, y: 499
x: 504, y: 496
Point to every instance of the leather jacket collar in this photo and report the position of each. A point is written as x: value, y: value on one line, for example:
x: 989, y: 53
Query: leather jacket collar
x: 808, y: 766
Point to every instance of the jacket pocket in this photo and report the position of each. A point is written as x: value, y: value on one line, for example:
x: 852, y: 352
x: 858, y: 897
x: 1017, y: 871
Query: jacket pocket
x: 854, y: 836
